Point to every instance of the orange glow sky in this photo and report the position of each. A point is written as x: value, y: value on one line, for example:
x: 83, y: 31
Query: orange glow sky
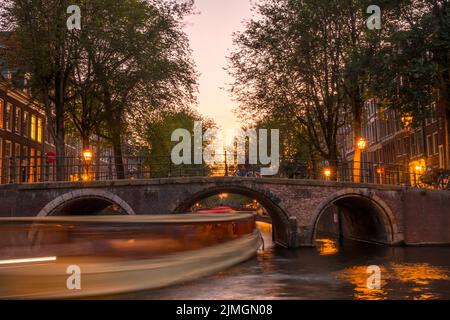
x: 210, y: 34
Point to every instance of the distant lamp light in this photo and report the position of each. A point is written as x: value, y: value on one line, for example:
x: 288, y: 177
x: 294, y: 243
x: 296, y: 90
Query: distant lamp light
x: 327, y: 172
x: 407, y: 120
x: 380, y: 170
x: 362, y: 143
x: 418, y: 169
x: 88, y: 155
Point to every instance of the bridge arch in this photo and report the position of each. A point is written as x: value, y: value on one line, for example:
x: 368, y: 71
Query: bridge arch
x: 368, y: 215
x: 87, y: 200
x: 282, y: 232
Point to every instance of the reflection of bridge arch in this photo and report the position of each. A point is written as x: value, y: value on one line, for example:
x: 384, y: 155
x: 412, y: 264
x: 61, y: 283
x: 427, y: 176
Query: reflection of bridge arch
x: 280, y: 220
x: 367, y: 216
x: 91, y: 201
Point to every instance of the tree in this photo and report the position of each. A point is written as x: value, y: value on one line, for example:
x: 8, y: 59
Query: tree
x: 50, y: 52
x: 139, y: 53
x: 359, y: 47
x: 86, y: 109
x: 412, y: 69
x: 289, y: 64
x: 159, y: 130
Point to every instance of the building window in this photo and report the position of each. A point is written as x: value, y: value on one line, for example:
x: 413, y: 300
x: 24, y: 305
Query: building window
x: 33, y: 127
x: 429, y: 146
x: 399, y: 147
x: 25, y: 161
x: 405, y: 143
x: 8, y: 149
x: 420, y: 142
x: 38, y: 166
x: 8, y: 117
x: 7, y: 164
x: 40, y: 132
x: 26, y: 124
x: 413, y: 144
x: 17, y: 163
x: 1, y: 114
x: 17, y: 121
x: 433, y: 112
x: 49, y: 136
x: 435, y: 143
x: 441, y: 157
x: 1, y: 161
x: 32, y: 172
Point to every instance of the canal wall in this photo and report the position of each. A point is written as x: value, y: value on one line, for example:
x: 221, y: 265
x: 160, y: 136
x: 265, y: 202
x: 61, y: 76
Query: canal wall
x: 426, y: 217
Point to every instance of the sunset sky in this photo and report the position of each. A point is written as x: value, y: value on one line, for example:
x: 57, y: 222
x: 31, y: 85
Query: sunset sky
x: 210, y: 33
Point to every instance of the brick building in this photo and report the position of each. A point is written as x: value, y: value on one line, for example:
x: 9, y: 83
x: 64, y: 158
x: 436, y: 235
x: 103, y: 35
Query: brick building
x: 391, y: 145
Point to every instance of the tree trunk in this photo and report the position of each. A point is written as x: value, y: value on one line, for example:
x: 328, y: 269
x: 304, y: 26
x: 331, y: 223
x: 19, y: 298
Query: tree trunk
x: 115, y: 129
x: 86, y: 142
x: 447, y: 141
x: 60, y: 130
x: 333, y: 162
x: 118, y: 160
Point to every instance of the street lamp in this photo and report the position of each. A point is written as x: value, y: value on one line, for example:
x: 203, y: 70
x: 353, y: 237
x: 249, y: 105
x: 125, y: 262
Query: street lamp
x: 407, y: 120
x: 362, y: 144
x: 327, y: 172
x: 418, y: 169
x: 380, y: 172
x: 88, y: 155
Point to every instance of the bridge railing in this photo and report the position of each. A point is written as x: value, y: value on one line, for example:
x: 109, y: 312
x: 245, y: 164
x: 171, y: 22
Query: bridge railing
x: 43, y: 169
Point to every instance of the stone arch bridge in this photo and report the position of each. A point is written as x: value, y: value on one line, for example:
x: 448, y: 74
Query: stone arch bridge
x: 380, y: 213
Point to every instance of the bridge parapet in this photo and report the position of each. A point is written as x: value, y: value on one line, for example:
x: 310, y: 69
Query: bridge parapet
x: 382, y: 213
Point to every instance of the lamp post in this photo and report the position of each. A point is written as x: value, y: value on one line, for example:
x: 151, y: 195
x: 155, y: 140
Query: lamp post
x: 361, y: 145
x: 407, y: 120
x: 327, y: 173
x: 88, y: 155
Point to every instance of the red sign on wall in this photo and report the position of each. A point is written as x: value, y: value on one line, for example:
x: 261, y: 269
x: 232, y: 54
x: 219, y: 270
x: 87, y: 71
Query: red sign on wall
x: 51, y: 157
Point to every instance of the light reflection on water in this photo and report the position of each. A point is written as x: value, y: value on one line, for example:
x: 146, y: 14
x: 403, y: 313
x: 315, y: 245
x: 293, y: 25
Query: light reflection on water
x: 329, y: 271
x: 326, y: 247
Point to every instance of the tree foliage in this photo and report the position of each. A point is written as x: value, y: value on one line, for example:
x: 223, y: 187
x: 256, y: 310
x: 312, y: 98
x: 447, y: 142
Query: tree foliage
x: 315, y: 63
x: 129, y: 59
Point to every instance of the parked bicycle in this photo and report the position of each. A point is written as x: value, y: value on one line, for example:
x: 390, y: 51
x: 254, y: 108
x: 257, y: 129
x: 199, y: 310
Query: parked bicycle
x: 243, y: 170
x: 435, y: 179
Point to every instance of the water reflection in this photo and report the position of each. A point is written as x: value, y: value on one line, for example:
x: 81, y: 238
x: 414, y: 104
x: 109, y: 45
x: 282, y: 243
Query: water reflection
x: 332, y: 270
x: 415, y: 280
x: 357, y: 276
x: 326, y: 247
x: 420, y: 276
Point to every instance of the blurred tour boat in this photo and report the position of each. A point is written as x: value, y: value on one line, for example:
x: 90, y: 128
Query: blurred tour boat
x: 117, y: 254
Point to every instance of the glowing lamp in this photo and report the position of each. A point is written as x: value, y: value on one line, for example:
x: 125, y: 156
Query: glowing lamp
x: 407, y: 120
x: 88, y: 155
x: 362, y: 143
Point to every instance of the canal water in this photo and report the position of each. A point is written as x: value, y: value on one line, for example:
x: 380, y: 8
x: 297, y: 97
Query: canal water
x: 329, y: 271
